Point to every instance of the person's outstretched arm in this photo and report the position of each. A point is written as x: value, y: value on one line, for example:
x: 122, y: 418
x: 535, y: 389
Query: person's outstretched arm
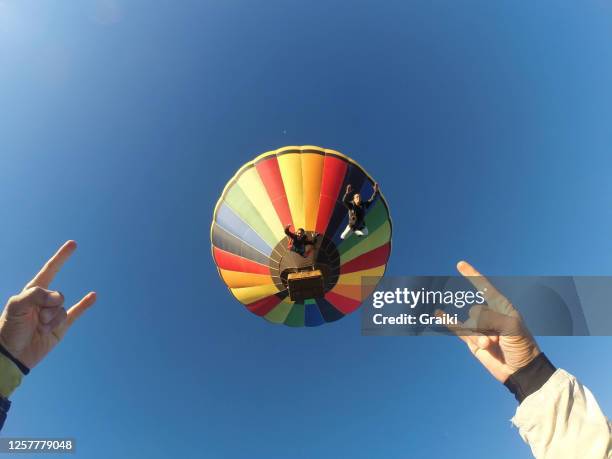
x: 288, y: 232
x: 557, y: 416
x: 348, y: 195
x: 375, y: 192
x: 33, y: 322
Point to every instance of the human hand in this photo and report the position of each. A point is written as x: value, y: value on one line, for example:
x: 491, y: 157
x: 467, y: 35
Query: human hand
x: 349, y: 188
x: 376, y: 188
x: 495, y: 333
x: 34, y: 321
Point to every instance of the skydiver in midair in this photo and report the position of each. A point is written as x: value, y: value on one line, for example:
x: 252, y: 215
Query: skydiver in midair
x: 299, y: 240
x: 356, y: 212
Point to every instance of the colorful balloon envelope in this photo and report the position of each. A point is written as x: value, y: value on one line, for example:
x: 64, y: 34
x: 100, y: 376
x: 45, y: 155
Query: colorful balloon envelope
x: 303, y: 187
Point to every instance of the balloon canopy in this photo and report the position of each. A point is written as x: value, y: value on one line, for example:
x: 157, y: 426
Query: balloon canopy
x: 304, y: 187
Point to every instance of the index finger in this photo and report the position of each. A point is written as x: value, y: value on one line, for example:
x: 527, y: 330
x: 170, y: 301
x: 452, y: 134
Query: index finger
x: 51, y: 267
x: 495, y: 300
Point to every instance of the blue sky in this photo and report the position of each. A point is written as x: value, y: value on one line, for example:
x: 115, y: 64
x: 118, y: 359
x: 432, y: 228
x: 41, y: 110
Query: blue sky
x: 486, y: 123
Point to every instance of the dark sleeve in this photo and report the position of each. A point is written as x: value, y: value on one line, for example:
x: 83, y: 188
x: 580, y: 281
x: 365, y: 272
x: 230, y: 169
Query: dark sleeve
x: 527, y: 380
x: 346, y: 200
x: 289, y: 234
x: 5, y: 404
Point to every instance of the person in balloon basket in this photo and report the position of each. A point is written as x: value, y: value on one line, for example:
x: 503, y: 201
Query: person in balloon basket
x: 299, y: 240
x: 356, y: 211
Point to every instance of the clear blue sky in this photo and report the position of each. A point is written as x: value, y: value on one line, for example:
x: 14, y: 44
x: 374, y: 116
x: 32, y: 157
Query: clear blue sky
x: 486, y: 123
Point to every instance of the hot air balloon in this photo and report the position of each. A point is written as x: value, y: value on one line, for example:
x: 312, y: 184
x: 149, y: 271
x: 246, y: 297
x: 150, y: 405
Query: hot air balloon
x: 301, y: 186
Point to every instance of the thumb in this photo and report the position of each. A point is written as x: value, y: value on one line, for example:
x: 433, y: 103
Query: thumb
x: 487, y: 320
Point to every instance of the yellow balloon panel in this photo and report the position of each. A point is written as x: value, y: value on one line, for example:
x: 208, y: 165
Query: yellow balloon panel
x: 254, y: 189
x: 290, y: 166
x: 356, y: 278
x: 312, y: 175
x: 247, y: 295
x: 235, y: 279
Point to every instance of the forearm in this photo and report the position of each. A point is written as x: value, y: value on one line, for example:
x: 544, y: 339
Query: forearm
x: 373, y: 197
x: 346, y: 200
x: 562, y: 419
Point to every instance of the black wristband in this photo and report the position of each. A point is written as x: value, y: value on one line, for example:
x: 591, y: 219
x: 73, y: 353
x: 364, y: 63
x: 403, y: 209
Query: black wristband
x: 25, y: 370
x: 527, y: 380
